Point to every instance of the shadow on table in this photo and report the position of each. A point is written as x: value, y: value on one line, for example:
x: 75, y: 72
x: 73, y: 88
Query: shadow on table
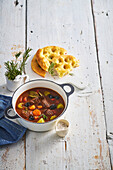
x: 5, y: 91
x: 43, y: 141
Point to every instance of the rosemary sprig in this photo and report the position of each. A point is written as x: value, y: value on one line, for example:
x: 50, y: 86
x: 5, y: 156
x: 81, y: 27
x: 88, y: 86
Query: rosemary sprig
x: 14, y: 68
x: 25, y: 57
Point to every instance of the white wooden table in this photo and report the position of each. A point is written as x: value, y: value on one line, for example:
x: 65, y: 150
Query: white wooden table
x: 85, y: 29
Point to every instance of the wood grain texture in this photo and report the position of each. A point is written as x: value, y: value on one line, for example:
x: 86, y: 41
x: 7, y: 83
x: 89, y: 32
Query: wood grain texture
x: 12, y: 39
x: 12, y: 33
x: 103, y: 16
x: 69, y: 24
x: 104, y: 29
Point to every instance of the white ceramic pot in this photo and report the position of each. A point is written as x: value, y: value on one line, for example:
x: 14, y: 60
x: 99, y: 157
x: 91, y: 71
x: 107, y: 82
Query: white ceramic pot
x: 40, y: 83
x: 12, y: 85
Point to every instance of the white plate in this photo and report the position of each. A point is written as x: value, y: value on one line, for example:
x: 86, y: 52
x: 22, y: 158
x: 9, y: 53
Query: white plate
x: 67, y: 79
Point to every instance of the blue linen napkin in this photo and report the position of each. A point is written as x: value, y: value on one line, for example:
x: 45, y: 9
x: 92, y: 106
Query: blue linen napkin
x: 10, y: 132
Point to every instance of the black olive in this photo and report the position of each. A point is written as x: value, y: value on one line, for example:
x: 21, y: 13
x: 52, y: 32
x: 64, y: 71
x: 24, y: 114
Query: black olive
x: 57, y: 97
x: 51, y: 96
x: 27, y: 104
x: 53, y: 106
x: 31, y: 117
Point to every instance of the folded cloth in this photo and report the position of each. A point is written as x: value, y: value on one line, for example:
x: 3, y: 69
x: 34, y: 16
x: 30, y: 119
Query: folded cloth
x: 10, y: 132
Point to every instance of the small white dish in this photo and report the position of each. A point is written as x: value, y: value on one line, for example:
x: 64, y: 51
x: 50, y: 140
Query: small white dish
x: 62, y: 127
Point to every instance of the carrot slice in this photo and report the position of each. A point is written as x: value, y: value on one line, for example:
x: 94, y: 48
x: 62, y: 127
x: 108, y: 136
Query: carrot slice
x: 32, y: 107
x: 40, y: 106
x: 36, y: 112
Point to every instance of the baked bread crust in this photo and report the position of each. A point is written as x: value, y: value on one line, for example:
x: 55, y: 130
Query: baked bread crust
x: 36, y: 68
x: 46, y: 55
x: 64, y: 64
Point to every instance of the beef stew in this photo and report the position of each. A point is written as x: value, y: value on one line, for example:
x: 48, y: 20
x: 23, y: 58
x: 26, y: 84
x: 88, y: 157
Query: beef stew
x: 39, y: 105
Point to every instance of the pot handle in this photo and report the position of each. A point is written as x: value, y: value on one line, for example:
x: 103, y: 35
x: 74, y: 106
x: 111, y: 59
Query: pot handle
x: 7, y: 113
x: 71, y: 86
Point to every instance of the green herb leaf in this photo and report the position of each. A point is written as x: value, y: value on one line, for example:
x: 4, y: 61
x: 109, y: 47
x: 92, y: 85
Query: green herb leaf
x: 71, y: 74
x: 44, y: 116
x: 18, y: 54
x: 13, y: 68
x: 25, y: 57
x: 51, y: 69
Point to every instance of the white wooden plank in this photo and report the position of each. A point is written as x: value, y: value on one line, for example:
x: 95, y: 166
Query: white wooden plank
x: 69, y: 24
x: 103, y: 13
x: 12, y: 39
x: 12, y: 33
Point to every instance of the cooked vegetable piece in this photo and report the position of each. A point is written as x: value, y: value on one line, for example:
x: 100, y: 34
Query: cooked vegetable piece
x: 37, y: 112
x: 46, y: 93
x: 60, y: 106
x: 53, y: 99
x: 53, y: 117
x: 51, y: 96
x: 41, y: 120
x: 37, y: 91
x: 57, y: 97
x: 40, y: 94
x: 21, y: 99
x: 31, y: 117
x: 33, y: 94
x: 44, y: 116
x: 25, y: 99
x: 53, y: 106
x: 32, y: 107
x: 39, y: 106
x: 36, y: 117
x: 20, y: 105
x: 27, y: 104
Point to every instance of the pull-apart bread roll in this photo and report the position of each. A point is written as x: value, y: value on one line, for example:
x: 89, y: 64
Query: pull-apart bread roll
x: 53, y: 59
x: 46, y: 55
x: 64, y: 64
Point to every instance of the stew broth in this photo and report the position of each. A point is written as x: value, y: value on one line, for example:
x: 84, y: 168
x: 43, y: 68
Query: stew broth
x: 40, y: 105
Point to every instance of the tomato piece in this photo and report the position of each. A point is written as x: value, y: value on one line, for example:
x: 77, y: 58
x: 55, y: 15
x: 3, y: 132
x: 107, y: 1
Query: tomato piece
x: 36, y: 117
x: 37, y: 91
x: 25, y: 99
x: 37, y: 112
x: 53, y: 99
x: 32, y: 107
x: 21, y: 99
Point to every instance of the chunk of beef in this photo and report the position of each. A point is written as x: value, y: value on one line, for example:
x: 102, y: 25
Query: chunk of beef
x: 45, y: 103
x: 49, y: 112
x: 35, y: 100
x: 43, y: 111
x: 26, y: 113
